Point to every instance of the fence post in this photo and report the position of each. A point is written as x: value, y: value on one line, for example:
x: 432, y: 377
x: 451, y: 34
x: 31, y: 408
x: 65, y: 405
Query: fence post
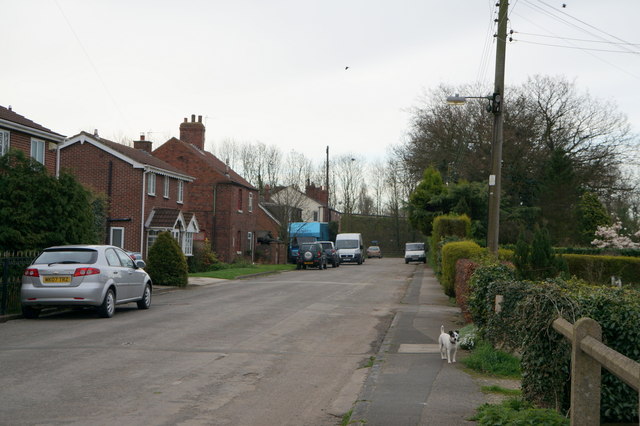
x: 5, y: 285
x: 585, y: 376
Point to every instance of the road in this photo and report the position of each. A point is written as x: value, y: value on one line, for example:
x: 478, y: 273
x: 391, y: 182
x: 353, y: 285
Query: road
x: 283, y: 349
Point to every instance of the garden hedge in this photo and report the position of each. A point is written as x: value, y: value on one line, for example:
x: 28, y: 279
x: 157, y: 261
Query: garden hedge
x: 524, y: 325
x: 445, y: 229
x: 451, y: 253
x: 600, y: 269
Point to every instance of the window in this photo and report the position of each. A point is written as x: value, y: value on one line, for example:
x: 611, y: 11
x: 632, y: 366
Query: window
x: 250, y: 202
x: 117, y: 237
x: 315, y: 216
x: 125, y: 259
x: 240, y: 199
x: 166, y: 187
x: 239, y: 242
x: 112, y: 257
x: 37, y: 150
x: 151, y: 184
x: 187, y: 247
x: 180, y: 191
x: 152, y: 236
x: 4, y: 142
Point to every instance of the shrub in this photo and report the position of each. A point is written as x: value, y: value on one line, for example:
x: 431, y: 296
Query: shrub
x: 166, y: 263
x: 485, y: 359
x: 451, y: 253
x: 600, y: 269
x: 446, y: 229
x: 525, y: 324
x: 203, y: 259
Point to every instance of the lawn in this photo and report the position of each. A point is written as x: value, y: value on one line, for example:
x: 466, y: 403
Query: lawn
x: 232, y: 272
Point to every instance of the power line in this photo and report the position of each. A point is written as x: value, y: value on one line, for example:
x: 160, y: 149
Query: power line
x: 579, y: 39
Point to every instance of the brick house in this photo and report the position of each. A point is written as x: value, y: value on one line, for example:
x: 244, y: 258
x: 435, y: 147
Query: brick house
x: 145, y: 195
x: 312, y: 205
x: 227, y: 206
x: 34, y: 140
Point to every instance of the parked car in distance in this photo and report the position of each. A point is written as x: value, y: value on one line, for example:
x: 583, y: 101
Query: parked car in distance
x: 311, y: 255
x: 374, y: 251
x: 135, y: 255
x: 98, y: 276
x: 331, y: 253
x: 414, y: 252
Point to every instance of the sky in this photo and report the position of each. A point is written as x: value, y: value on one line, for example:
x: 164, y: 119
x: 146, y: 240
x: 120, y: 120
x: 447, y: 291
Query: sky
x: 301, y: 75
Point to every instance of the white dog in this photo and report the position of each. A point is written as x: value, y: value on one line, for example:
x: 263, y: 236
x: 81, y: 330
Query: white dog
x: 448, y: 344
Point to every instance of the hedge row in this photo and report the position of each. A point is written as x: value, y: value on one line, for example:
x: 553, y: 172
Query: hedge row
x: 524, y: 325
x: 600, y: 269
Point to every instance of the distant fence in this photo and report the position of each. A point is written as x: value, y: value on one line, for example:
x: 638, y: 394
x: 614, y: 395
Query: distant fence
x: 588, y: 355
x: 13, y: 266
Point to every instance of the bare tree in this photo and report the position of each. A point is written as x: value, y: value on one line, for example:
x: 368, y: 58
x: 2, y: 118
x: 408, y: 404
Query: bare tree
x: 349, y: 179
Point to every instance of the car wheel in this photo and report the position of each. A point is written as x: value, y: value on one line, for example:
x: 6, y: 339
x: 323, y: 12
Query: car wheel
x: 30, y: 313
x: 145, y: 302
x: 108, y: 306
x: 298, y: 266
x: 406, y: 261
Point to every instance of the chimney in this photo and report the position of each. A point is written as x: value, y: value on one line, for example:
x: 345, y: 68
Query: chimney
x: 193, y: 132
x: 267, y: 193
x: 143, y: 144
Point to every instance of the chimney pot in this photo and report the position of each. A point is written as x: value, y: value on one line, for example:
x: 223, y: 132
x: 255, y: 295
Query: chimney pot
x: 199, y: 119
x: 141, y: 136
x: 193, y: 118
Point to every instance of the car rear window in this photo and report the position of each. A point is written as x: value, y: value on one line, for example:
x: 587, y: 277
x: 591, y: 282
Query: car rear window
x: 86, y: 256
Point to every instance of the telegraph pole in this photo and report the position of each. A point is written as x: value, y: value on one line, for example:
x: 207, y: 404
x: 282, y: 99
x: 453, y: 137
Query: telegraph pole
x: 493, y: 231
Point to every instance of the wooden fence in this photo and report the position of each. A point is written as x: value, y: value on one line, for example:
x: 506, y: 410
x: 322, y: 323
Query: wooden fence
x: 588, y: 355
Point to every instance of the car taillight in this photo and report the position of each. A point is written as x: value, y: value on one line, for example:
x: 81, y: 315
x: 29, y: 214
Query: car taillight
x: 31, y: 272
x: 81, y: 272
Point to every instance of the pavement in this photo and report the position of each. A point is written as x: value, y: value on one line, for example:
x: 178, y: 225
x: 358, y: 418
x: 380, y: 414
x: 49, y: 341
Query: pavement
x: 409, y: 383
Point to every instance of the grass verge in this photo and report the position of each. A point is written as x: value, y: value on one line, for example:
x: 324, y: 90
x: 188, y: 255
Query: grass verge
x: 487, y: 360
x: 232, y: 272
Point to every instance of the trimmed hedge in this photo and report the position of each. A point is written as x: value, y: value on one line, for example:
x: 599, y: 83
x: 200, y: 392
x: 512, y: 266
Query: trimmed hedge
x: 524, y: 324
x: 600, y: 269
x: 451, y: 253
x: 445, y: 229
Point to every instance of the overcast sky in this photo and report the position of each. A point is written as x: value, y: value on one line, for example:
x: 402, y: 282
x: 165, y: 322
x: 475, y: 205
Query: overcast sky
x: 273, y: 71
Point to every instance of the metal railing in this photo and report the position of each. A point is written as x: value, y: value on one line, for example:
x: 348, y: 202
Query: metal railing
x: 13, y: 266
x: 588, y: 355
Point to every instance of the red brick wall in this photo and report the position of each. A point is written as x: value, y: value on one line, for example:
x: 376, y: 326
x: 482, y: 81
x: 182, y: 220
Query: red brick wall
x: 22, y: 141
x: 211, y: 187
x: 90, y: 165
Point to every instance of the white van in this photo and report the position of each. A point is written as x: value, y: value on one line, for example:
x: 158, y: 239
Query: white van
x: 414, y: 252
x: 350, y: 248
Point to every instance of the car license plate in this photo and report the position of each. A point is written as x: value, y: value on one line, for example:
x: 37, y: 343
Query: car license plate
x: 308, y: 263
x: 52, y: 280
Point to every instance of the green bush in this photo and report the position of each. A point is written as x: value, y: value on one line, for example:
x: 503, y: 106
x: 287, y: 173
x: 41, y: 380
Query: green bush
x: 166, y: 263
x: 525, y: 324
x: 446, y: 229
x: 487, y: 360
x: 203, y: 259
x: 451, y: 253
x: 600, y: 269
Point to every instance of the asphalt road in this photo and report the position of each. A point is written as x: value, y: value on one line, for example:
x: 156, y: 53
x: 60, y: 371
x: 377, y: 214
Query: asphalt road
x: 283, y: 349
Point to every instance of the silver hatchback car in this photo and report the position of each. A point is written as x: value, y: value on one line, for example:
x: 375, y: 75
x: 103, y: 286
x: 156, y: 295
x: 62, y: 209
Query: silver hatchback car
x: 99, y: 276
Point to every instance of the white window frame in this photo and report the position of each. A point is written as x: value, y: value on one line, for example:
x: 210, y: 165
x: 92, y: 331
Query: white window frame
x: 151, y: 184
x: 38, y: 150
x: 180, y: 191
x: 112, y: 233
x: 187, y: 246
x: 250, y: 206
x: 166, y: 187
x: 5, y: 137
x: 152, y: 236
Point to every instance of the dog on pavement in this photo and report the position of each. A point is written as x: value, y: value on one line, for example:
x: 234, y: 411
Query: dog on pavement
x: 448, y: 344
